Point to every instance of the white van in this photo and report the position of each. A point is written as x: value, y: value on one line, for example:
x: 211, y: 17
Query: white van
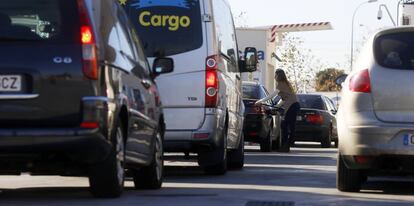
x: 202, y: 98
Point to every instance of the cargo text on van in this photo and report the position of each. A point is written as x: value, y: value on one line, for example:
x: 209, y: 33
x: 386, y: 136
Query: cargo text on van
x: 172, y: 22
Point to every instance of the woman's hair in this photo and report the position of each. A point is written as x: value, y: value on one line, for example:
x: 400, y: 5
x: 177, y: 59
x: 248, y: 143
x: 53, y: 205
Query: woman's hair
x: 281, y: 77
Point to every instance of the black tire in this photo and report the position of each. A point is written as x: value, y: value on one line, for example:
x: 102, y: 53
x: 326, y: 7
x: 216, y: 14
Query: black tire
x: 326, y: 140
x: 266, y: 143
x: 276, y: 144
x: 218, y: 156
x: 152, y: 176
x: 347, y: 180
x: 106, y: 178
x: 236, y: 157
x: 336, y: 143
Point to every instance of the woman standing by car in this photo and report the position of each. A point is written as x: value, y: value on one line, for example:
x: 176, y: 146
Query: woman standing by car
x: 289, y: 103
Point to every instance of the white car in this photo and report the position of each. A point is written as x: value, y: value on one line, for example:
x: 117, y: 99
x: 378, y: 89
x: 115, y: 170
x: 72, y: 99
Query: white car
x: 376, y: 114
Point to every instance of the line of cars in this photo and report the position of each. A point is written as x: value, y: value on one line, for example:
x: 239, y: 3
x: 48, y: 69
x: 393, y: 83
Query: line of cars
x: 316, y: 120
x: 78, y: 96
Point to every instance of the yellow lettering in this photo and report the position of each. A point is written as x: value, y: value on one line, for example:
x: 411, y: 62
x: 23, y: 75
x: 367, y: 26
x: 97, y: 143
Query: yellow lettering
x: 164, y: 20
x: 185, y: 21
x: 142, y: 20
x: 156, y: 20
x: 174, y: 22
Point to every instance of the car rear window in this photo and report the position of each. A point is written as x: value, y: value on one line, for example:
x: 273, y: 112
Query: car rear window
x: 37, y: 20
x: 395, y: 51
x: 253, y: 92
x: 167, y: 27
x: 311, y: 101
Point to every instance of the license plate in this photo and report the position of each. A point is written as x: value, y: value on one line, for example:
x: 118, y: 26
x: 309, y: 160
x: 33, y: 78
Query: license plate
x: 10, y: 83
x: 409, y: 140
x: 299, y: 118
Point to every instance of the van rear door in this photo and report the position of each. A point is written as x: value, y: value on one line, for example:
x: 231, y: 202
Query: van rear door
x: 391, y: 78
x: 176, y: 29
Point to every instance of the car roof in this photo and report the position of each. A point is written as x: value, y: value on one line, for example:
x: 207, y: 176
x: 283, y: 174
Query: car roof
x: 251, y: 83
x: 319, y: 95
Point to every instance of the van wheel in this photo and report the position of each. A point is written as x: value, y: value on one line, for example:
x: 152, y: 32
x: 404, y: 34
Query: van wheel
x: 236, y: 157
x: 215, y: 162
x: 347, y: 180
x: 106, y: 178
x: 266, y: 143
x: 151, y: 177
x: 327, y: 139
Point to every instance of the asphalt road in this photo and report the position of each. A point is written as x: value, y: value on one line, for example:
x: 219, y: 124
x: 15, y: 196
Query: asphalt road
x: 306, y: 176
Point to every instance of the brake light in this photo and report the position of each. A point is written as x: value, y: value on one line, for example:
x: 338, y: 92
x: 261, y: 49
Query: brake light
x: 89, y: 125
x: 86, y: 35
x: 212, y: 81
x: 360, y: 82
x: 89, y: 56
x: 259, y: 110
x: 314, y: 118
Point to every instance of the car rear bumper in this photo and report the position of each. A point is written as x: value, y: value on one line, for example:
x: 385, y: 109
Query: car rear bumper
x: 255, y: 130
x: 206, y: 138
x: 311, y: 132
x: 83, y: 145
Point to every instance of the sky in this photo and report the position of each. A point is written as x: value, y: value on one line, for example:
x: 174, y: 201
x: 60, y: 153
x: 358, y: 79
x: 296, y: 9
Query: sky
x: 332, y: 47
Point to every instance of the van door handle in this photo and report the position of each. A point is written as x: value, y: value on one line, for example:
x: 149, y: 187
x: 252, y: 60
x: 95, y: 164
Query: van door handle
x: 147, y: 84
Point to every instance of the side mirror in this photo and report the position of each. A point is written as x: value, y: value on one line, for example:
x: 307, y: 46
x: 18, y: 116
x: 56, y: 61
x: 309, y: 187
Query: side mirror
x: 341, y: 79
x: 162, y: 66
x: 250, y: 60
x: 333, y: 112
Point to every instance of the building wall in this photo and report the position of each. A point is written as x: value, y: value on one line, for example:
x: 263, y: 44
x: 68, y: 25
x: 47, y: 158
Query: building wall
x: 259, y: 38
x: 406, y: 14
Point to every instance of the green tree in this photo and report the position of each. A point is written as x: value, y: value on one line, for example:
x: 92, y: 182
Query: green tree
x: 299, y: 63
x: 325, y: 80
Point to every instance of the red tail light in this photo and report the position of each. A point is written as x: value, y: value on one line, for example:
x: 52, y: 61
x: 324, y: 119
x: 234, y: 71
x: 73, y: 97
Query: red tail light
x: 89, y: 57
x: 360, y: 82
x: 212, y: 82
x: 89, y: 125
x: 259, y: 110
x: 314, y: 118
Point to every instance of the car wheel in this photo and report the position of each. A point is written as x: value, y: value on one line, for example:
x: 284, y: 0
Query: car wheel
x: 266, y: 143
x: 347, y: 180
x: 236, y: 157
x: 276, y: 144
x: 106, y: 178
x: 327, y: 139
x: 218, y: 157
x: 151, y: 177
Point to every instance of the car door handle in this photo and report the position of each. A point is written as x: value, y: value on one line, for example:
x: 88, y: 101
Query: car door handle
x: 147, y: 84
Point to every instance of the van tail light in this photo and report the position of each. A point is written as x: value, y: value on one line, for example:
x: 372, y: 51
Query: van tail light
x: 314, y: 118
x: 360, y: 82
x: 89, y: 56
x: 212, y: 81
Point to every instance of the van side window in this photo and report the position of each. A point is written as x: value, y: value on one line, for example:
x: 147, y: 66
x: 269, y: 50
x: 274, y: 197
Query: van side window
x: 134, y: 43
x: 225, y: 34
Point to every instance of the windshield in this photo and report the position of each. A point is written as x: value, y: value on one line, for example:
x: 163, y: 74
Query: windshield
x: 37, y: 20
x: 167, y: 27
x: 311, y: 101
x: 395, y: 51
x: 253, y: 92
